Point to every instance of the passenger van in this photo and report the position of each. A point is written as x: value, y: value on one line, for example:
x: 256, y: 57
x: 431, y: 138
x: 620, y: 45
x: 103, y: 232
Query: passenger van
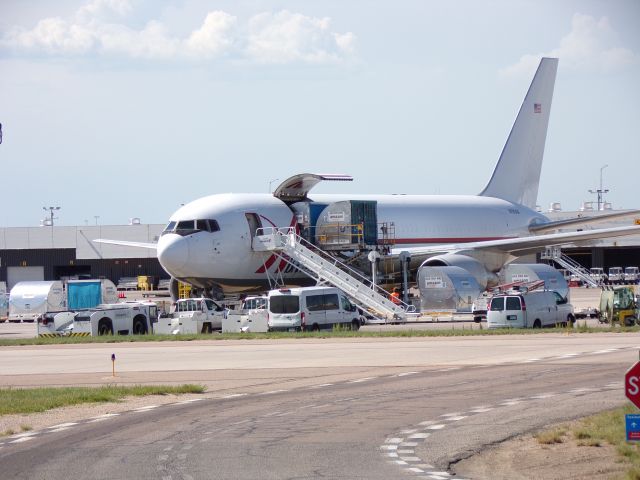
x: 535, y: 309
x: 310, y: 308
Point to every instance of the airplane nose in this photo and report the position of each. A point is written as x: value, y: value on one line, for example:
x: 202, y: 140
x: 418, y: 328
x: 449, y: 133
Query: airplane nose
x: 173, y: 253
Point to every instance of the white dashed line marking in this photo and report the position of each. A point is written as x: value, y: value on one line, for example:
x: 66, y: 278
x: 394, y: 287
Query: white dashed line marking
x: 434, y: 427
x: 366, y: 379
x: 20, y: 440
x: 404, y: 374
x: 273, y: 391
x: 63, y: 425
x: 103, y: 417
x: 422, y: 435
x: 322, y: 385
x: 235, y: 395
x: 145, y: 409
x: 457, y: 419
x: 543, y: 395
x: 184, y: 402
x: 394, y: 440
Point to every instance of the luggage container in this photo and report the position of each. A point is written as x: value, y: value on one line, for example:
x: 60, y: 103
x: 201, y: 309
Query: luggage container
x: 348, y: 224
x: 530, y: 272
x: 447, y: 289
x: 28, y: 300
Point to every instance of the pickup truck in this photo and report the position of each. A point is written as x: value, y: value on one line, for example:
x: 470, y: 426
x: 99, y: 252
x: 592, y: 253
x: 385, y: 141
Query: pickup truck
x: 192, y: 315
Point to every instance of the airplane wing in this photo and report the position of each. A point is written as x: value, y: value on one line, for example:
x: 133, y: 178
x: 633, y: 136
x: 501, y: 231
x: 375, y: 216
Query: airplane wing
x: 124, y: 243
x: 524, y: 245
x: 296, y: 188
x: 583, y: 221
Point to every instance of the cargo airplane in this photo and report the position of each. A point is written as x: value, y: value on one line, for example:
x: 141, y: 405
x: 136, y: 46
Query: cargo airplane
x: 208, y: 242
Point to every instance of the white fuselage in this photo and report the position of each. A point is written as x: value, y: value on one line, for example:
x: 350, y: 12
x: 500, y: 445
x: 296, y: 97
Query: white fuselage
x: 225, y: 257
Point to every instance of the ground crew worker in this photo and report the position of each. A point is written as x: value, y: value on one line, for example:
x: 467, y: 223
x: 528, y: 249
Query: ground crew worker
x: 395, y: 296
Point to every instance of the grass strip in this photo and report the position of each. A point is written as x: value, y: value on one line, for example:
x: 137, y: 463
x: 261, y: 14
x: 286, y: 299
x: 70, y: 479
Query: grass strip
x: 33, y: 400
x: 597, y: 430
x: 454, y: 331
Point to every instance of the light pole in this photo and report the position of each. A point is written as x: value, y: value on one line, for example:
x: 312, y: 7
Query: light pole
x: 51, y: 210
x: 96, y: 217
x: 271, y: 181
x: 600, y: 191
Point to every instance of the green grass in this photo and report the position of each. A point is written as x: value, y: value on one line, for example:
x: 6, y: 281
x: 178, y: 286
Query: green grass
x: 606, y: 428
x: 454, y: 331
x: 33, y: 400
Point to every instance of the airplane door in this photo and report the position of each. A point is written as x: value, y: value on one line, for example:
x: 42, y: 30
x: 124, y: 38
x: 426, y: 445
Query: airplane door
x: 254, y: 223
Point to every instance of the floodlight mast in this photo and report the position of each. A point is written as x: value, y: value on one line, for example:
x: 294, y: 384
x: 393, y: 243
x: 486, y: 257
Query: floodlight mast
x: 51, y: 210
x: 600, y: 191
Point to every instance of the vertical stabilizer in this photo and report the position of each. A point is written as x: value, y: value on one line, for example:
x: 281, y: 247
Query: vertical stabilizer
x: 517, y: 174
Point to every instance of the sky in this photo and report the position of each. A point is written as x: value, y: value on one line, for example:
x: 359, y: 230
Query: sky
x: 114, y: 109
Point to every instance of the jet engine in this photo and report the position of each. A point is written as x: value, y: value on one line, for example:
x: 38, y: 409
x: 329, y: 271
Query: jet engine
x: 484, y: 277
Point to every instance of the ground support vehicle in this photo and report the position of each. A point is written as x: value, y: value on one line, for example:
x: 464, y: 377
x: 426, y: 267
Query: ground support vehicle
x: 190, y: 316
x: 619, y: 305
x: 631, y: 275
x: 128, y: 318
x: 253, y: 316
x: 479, y: 307
x: 616, y: 276
x: 598, y: 275
x: 54, y: 324
x: 534, y: 309
x: 311, y: 308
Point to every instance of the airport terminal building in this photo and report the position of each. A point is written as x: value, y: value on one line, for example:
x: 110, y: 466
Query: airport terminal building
x: 59, y: 252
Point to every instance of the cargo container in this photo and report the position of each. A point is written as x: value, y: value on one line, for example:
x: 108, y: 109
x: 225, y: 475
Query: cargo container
x: 447, y: 289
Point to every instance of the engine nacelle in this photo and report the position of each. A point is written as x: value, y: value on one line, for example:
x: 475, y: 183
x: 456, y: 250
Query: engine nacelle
x: 484, y: 277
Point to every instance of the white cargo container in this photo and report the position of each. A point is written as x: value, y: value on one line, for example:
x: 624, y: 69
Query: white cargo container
x: 28, y: 300
x: 530, y: 272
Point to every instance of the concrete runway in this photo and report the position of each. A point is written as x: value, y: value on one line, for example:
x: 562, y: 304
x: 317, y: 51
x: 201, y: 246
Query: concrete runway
x: 339, y: 408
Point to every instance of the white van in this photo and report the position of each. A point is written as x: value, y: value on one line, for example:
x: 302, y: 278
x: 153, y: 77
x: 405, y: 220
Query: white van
x: 311, y: 308
x: 535, y: 309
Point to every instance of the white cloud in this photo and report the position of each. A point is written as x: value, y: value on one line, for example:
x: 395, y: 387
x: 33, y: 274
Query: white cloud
x: 98, y: 28
x: 590, y: 45
x: 288, y: 37
x: 215, y: 37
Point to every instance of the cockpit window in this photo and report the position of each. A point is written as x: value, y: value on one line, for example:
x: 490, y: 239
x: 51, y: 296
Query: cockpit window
x: 188, y: 227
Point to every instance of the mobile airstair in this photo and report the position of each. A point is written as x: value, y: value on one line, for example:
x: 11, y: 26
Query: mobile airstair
x: 292, y: 248
x: 555, y: 254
